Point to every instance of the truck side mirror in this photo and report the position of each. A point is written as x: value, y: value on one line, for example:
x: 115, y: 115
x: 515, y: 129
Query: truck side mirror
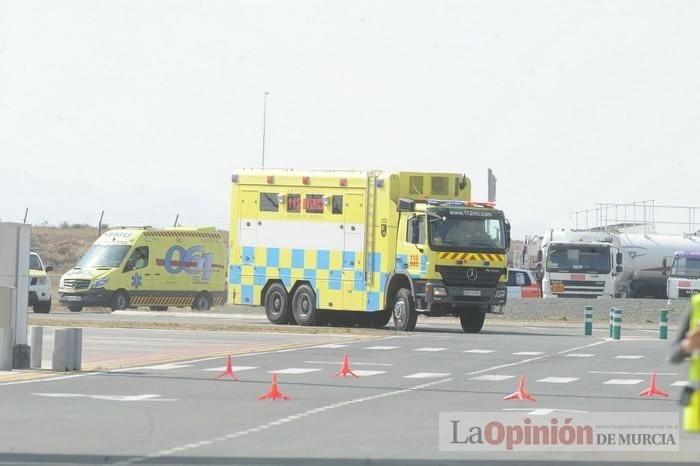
x: 49, y: 268
x: 539, y: 256
x: 618, y: 269
x: 507, y: 235
x: 618, y: 258
x: 664, y: 267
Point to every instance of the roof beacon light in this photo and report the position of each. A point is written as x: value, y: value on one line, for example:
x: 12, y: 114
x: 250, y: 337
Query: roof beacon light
x: 270, y: 179
x: 306, y: 180
x: 343, y: 182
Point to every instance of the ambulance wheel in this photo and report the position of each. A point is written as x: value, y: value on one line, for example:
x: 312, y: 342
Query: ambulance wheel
x: 120, y: 301
x: 304, y: 306
x: 277, y: 304
x: 380, y: 319
x: 202, y: 302
x: 42, y: 307
x: 472, y: 321
x: 404, y: 312
x: 75, y: 307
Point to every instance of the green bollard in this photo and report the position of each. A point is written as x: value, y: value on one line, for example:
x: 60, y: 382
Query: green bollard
x: 617, y: 324
x: 610, y: 323
x: 588, y: 321
x: 663, y: 324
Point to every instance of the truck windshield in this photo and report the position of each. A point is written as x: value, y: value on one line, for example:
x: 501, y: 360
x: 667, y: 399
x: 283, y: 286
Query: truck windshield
x: 686, y: 267
x: 104, y: 255
x: 35, y: 263
x: 452, y: 233
x: 579, y: 259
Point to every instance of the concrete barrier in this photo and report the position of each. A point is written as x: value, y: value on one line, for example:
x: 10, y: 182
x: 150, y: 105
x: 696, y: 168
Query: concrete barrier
x: 36, y: 341
x: 67, y: 352
x: 5, y: 348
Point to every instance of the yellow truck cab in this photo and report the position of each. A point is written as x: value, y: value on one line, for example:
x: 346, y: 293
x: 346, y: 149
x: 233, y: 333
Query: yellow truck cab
x: 380, y: 243
x: 145, y: 266
x: 39, y: 284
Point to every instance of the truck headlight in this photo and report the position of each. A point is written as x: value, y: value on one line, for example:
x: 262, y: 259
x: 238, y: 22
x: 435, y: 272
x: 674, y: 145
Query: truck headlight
x: 439, y: 291
x: 100, y: 283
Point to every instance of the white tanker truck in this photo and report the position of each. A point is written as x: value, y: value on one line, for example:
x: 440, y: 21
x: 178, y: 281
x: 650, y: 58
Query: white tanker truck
x: 590, y: 264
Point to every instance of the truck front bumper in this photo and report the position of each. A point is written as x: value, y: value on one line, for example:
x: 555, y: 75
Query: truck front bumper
x: 439, y: 299
x: 96, y: 298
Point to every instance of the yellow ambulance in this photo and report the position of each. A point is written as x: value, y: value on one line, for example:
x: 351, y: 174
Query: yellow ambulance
x: 380, y: 243
x: 145, y: 266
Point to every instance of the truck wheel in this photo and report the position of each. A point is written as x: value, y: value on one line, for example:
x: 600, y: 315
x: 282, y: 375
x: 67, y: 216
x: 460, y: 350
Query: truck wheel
x: 75, y: 307
x: 42, y: 307
x: 472, y: 321
x: 277, y: 304
x: 304, y: 306
x: 202, y: 302
x: 380, y: 319
x: 405, y: 315
x: 120, y: 301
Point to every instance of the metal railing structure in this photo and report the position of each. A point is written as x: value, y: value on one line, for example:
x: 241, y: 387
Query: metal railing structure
x: 639, y: 217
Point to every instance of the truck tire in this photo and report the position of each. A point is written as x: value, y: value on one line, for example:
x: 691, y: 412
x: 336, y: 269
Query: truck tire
x: 42, y: 307
x: 75, y: 307
x: 379, y: 319
x: 277, y: 304
x: 304, y: 306
x: 404, y: 311
x: 120, y: 301
x: 202, y: 302
x: 472, y: 321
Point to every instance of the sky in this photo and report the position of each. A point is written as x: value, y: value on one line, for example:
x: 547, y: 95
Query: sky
x: 144, y: 109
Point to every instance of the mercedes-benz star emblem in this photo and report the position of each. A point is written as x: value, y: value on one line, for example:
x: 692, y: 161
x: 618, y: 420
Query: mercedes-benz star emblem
x: 472, y: 275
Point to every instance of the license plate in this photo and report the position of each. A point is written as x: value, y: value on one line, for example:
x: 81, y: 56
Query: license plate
x: 557, y: 287
x: 73, y: 298
x: 471, y: 292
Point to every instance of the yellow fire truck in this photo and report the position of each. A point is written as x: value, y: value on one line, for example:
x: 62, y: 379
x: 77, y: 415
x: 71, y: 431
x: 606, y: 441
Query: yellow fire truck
x: 386, y: 244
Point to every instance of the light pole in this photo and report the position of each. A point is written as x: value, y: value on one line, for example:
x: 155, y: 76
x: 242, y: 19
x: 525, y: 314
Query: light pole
x: 264, y: 124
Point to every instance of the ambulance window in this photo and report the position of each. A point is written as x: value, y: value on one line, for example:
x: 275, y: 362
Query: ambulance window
x: 416, y: 185
x: 269, y: 202
x: 439, y: 185
x: 313, y: 203
x: 294, y: 203
x: 415, y: 233
x: 138, y: 259
x: 337, y: 204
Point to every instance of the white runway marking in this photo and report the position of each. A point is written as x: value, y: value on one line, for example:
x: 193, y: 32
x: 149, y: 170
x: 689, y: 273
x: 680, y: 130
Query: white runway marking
x: 558, y: 379
x: 430, y: 350
x: 427, y: 375
x: 167, y: 367
x: 294, y: 371
x: 492, y: 377
x: 579, y: 355
x: 544, y: 411
x: 382, y: 347
x: 480, y: 351
x: 630, y: 373
x: 680, y: 383
x: 330, y: 346
x: 528, y: 353
x: 352, y: 363
x: 235, y: 368
x: 622, y: 382
x: 145, y: 397
x: 366, y: 373
x: 630, y: 356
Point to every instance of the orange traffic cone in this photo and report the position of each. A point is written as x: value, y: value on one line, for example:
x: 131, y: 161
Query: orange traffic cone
x: 521, y: 394
x: 345, y: 371
x: 228, y: 371
x: 652, y: 390
x: 274, y: 392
